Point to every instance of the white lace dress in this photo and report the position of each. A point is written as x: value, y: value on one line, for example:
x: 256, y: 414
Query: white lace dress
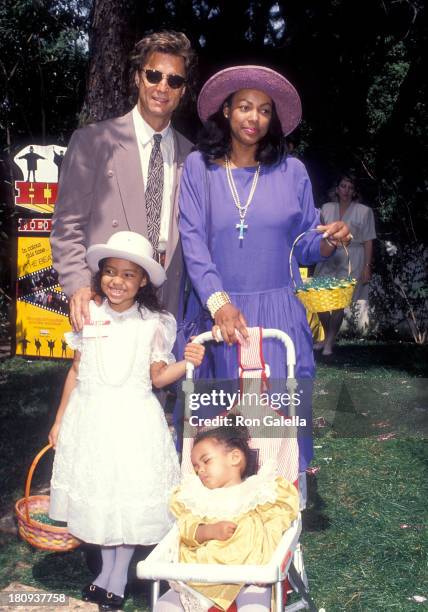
x: 115, y: 462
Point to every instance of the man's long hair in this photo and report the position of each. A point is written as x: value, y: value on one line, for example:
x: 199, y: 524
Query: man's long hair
x: 166, y: 41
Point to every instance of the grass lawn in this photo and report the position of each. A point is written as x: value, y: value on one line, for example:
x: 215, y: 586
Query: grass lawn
x: 365, y: 527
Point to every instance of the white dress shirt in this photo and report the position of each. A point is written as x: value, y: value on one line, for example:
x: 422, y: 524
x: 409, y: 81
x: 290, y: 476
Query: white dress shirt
x: 145, y: 141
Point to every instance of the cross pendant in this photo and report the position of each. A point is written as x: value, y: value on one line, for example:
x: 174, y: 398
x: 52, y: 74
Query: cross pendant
x: 242, y: 227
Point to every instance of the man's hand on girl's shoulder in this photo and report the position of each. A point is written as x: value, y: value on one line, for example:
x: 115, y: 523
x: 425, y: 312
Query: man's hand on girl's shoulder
x: 79, y: 307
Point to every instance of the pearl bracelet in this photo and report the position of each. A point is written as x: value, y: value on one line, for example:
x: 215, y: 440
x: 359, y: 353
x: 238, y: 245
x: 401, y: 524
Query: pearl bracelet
x: 216, y: 301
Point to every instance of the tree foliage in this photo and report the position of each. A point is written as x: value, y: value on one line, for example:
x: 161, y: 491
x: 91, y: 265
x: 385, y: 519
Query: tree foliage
x: 43, y: 54
x: 110, y: 41
x: 399, y: 292
x: 357, y: 64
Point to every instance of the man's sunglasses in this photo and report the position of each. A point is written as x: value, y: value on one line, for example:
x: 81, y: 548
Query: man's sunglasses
x: 175, y: 81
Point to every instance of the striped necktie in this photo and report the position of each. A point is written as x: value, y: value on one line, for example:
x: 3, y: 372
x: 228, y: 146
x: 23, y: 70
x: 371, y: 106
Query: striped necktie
x: 154, y: 192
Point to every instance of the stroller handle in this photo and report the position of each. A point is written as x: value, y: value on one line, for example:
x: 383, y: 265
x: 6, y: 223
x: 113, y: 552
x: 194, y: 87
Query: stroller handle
x: 266, y: 333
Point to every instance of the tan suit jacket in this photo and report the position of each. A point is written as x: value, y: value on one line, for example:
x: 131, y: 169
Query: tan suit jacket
x: 101, y: 191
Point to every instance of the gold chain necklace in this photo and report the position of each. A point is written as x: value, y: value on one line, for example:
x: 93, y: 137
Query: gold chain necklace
x: 242, y: 209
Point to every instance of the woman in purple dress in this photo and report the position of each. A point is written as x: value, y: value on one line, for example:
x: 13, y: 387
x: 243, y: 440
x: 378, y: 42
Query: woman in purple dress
x: 242, y: 203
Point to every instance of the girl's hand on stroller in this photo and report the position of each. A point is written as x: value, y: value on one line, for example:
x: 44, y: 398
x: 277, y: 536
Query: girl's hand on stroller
x: 222, y: 530
x: 230, y: 320
x: 194, y: 353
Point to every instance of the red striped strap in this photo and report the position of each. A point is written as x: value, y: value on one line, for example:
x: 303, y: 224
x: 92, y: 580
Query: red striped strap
x: 250, y: 352
x: 250, y: 357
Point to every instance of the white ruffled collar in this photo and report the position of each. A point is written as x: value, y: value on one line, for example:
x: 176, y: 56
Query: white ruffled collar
x: 228, y: 502
x: 134, y: 311
x: 131, y: 312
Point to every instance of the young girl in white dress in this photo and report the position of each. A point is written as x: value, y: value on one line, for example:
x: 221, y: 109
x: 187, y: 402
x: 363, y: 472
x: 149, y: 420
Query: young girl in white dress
x: 226, y: 514
x: 115, y: 461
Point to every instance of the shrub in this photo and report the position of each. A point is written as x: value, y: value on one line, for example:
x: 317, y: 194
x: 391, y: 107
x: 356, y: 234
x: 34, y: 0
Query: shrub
x: 399, y: 290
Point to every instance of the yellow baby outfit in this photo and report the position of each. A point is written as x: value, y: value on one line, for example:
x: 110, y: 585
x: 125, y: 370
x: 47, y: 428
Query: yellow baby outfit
x: 263, y: 507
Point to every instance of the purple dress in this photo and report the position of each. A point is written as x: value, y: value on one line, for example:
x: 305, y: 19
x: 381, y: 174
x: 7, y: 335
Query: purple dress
x: 253, y: 271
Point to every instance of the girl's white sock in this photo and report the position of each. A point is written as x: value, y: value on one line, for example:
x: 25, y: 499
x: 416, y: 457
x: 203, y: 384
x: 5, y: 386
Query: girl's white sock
x: 119, y: 575
x: 108, y: 556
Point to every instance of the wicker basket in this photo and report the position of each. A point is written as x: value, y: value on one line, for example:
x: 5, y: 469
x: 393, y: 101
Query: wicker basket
x: 322, y: 299
x: 40, y: 535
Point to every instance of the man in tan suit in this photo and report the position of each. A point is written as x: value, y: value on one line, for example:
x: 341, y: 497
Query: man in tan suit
x: 107, y: 174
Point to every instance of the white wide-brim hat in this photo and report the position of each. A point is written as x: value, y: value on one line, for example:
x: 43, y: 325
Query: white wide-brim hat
x: 131, y: 246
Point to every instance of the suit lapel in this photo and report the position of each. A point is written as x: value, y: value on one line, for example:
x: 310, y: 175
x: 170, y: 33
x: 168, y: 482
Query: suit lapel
x: 130, y: 181
x: 129, y: 174
x: 173, y: 237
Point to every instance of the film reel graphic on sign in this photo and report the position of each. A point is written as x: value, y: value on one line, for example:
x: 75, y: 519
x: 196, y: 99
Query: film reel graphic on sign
x: 41, y: 306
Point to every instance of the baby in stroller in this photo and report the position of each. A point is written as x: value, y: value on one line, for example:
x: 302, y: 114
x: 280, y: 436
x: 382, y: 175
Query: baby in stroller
x: 228, y: 513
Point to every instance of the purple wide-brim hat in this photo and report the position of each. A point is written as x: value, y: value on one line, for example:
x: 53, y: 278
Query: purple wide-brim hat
x: 221, y: 85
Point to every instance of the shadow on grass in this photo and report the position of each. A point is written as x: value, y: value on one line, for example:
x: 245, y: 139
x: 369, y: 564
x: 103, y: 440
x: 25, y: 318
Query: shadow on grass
x: 62, y: 571
x: 313, y: 518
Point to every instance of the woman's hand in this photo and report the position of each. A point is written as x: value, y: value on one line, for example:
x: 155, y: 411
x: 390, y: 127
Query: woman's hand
x: 231, y: 320
x: 337, y: 233
x: 216, y: 333
x: 53, y: 434
x: 194, y: 353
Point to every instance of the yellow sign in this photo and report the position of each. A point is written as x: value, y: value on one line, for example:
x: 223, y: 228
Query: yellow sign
x: 41, y: 308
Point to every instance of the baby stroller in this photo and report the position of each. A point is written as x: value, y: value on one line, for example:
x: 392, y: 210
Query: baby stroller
x: 285, y: 572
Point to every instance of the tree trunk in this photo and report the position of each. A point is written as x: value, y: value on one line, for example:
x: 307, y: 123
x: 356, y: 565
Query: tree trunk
x: 111, y: 40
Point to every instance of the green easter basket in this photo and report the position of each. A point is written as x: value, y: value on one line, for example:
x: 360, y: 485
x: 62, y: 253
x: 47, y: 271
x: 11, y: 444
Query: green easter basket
x: 324, y: 293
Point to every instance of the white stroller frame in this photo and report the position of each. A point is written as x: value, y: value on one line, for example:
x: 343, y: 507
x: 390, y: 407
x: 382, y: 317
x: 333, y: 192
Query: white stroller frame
x: 287, y: 560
